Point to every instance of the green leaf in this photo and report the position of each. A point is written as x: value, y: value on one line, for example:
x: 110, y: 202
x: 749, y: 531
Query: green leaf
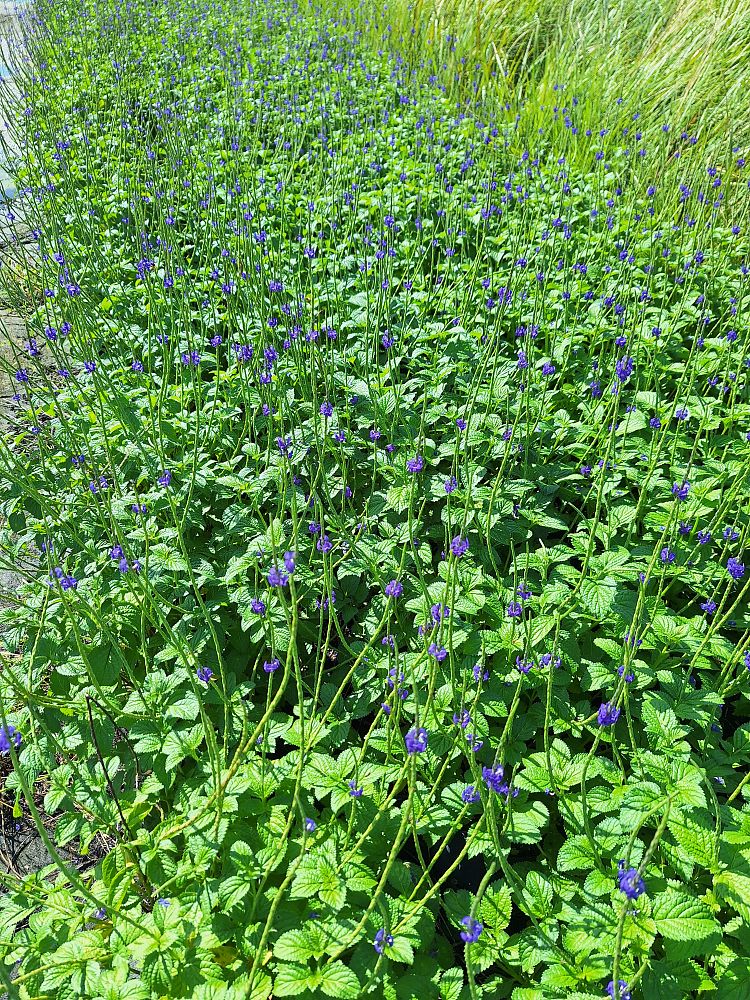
x: 296, y: 945
x: 159, y: 969
x: 451, y: 984
x: 576, y: 853
x: 104, y: 665
x: 680, y: 917
x: 495, y: 907
x: 338, y: 981
x: 695, y: 834
x: 400, y: 951
x: 538, y: 895
x: 598, y: 596
x: 317, y: 876
x: 734, y: 889
x: 292, y: 980
x: 179, y: 744
x: 527, y: 822
x: 662, y: 726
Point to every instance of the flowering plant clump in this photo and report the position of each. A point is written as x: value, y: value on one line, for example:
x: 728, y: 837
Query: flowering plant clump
x: 378, y: 481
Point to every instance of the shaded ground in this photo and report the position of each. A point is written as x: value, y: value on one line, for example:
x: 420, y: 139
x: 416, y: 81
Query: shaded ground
x: 22, y: 850
x: 13, y: 233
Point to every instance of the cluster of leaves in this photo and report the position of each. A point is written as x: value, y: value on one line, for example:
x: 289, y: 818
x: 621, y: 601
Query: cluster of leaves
x: 380, y: 487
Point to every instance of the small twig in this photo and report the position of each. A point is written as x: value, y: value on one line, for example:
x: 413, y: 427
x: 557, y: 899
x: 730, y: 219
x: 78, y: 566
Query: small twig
x: 110, y: 786
x: 125, y: 737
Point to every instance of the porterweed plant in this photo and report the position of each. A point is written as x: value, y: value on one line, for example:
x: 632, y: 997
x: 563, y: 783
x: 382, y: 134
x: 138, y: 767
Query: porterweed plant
x: 378, y: 482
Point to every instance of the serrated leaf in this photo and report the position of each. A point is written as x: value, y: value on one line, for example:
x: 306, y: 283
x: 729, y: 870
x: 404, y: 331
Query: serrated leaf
x: 400, y: 951
x: 292, y: 980
x: 495, y: 907
x: 680, y: 917
x: 338, y: 981
x: 296, y: 945
x: 538, y: 895
x: 598, y: 596
x: 695, y: 834
x: 451, y: 984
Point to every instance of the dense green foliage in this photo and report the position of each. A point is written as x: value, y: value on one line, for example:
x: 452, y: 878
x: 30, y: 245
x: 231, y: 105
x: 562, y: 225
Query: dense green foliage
x: 380, y: 485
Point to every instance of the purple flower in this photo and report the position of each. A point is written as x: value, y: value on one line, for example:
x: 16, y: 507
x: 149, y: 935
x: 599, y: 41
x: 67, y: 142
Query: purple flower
x: 165, y: 478
x: 630, y: 882
x: 624, y: 369
x: 450, y: 484
x: 470, y: 794
x: 204, y: 674
x: 623, y: 993
x: 276, y: 578
x: 459, y: 546
x: 472, y: 930
x: 709, y: 606
x: 461, y: 423
x: 289, y: 562
x: 666, y: 555
x: 480, y: 673
x: 310, y: 825
x: 66, y: 581
x: 523, y: 666
x: 703, y: 537
x: 608, y: 714
x: 682, y: 414
x: 439, y: 652
x: 493, y: 778
x: 394, y: 589
x: 9, y: 734
x: 514, y: 610
x: 416, y: 740
x: 258, y: 607
x: 681, y: 492
x: 354, y: 792
x: 324, y: 544
x: 462, y: 718
x: 326, y: 409
x: 735, y: 568
x: 382, y: 940
x: 270, y: 666
x: 415, y: 464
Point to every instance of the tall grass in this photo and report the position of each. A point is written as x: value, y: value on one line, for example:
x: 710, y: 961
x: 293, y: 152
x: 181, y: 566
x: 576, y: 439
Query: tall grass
x: 688, y: 60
